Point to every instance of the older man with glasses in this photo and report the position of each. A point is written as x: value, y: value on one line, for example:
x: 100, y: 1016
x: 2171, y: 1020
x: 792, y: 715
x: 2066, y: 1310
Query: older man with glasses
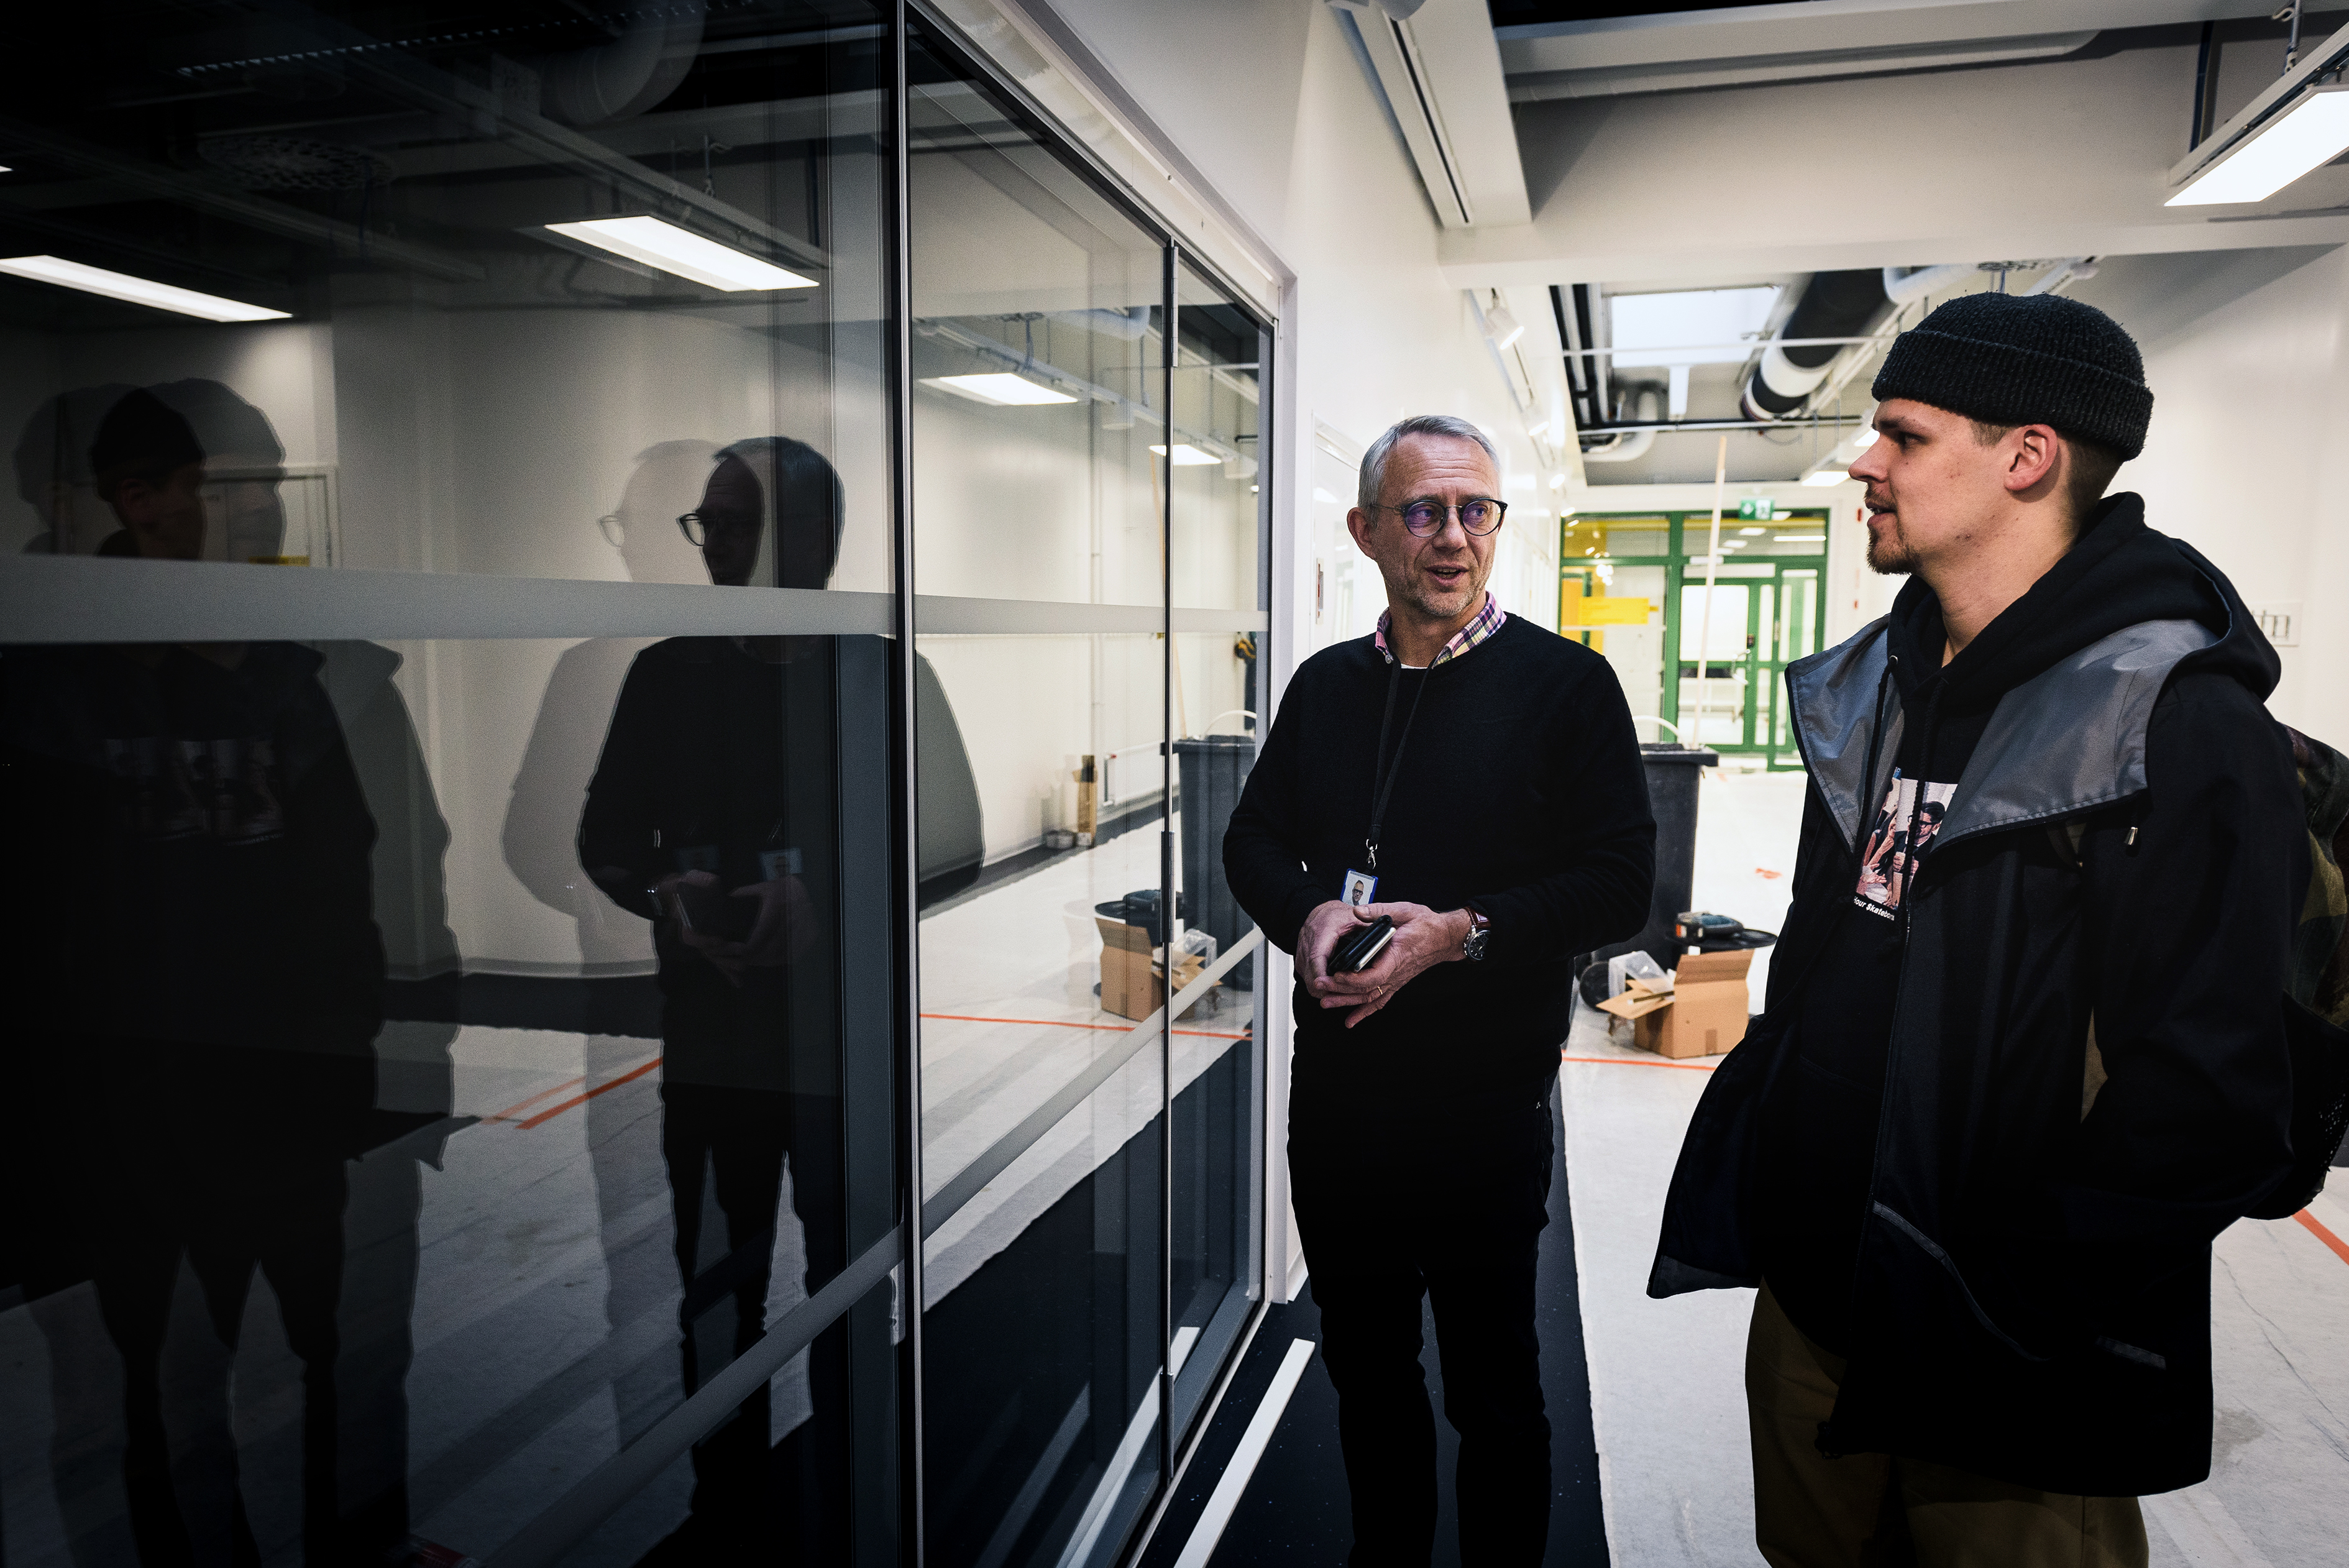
x: 1475, y: 780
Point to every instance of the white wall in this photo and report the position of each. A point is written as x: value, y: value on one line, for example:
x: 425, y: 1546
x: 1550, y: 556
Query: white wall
x: 2245, y: 458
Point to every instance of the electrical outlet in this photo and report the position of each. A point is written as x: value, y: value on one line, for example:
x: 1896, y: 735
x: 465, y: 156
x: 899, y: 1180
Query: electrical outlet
x: 2280, y: 619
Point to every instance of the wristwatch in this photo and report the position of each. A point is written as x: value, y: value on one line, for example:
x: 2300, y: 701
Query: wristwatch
x: 1479, y: 937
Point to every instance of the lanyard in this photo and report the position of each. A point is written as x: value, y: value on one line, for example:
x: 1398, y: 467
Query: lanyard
x: 1383, y: 779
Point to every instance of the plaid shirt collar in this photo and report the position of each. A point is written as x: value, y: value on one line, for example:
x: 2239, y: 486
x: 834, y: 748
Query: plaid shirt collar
x: 1488, y: 621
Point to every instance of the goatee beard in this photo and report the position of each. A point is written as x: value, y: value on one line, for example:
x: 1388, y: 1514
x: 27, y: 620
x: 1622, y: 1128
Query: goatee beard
x: 1889, y: 555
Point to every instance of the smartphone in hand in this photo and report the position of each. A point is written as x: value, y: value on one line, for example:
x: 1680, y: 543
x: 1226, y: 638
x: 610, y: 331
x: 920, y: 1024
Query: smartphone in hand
x: 1362, y: 949
x: 712, y: 911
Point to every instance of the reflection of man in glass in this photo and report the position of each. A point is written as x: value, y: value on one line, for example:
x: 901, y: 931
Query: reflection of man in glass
x: 196, y: 1006
x: 713, y: 812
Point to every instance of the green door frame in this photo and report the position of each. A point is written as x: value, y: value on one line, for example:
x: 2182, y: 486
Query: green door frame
x: 1764, y: 732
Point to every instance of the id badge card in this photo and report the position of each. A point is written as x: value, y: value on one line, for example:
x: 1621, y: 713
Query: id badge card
x: 774, y: 865
x: 1361, y: 887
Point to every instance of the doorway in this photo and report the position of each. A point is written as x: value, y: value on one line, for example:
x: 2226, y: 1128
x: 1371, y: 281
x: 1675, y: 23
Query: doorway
x: 1705, y: 671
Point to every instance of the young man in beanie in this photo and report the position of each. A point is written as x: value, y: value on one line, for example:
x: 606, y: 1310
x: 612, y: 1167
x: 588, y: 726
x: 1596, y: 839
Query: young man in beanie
x: 1976, y: 1150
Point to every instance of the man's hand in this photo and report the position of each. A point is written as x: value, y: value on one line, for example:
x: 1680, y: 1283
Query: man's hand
x: 785, y: 927
x: 725, y: 957
x: 1422, y: 938
x: 1323, y: 929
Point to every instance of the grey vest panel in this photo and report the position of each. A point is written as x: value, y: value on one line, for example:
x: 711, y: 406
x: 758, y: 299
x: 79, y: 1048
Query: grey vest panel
x: 1834, y: 694
x: 2070, y: 739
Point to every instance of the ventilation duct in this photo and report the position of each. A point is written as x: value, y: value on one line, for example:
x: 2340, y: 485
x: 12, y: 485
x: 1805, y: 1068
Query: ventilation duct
x: 629, y: 75
x: 1629, y: 444
x: 1903, y: 283
x: 1833, y: 305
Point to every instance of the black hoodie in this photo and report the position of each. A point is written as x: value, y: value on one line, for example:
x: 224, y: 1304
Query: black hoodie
x: 2085, y: 1070
x: 1819, y: 1126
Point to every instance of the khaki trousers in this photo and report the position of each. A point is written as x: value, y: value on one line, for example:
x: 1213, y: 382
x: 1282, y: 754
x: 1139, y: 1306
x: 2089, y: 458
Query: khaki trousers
x: 1873, y: 1510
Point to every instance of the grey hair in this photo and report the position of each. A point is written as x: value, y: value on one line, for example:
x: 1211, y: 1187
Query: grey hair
x: 1373, y: 480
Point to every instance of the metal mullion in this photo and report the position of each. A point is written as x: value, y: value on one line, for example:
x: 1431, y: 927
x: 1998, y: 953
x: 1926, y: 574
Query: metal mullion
x: 1172, y: 343
x: 899, y: 258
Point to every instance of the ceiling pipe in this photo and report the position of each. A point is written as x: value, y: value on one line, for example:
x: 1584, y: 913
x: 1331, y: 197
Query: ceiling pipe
x: 1832, y: 304
x: 2071, y: 269
x: 1903, y: 283
x: 1629, y: 444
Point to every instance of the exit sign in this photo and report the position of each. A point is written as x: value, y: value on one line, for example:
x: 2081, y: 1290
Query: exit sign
x: 1761, y: 510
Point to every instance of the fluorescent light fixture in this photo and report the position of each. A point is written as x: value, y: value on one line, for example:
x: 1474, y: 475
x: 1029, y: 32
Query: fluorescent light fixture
x: 1503, y: 325
x: 137, y: 290
x: 1185, y: 456
x: 1800, y: 539
x: 2315, y: 130
x: 1753, y: 533
x: 1000, y: 387
x: 681, y: 252
x: 1735, y: 543
x: 1821, y: 478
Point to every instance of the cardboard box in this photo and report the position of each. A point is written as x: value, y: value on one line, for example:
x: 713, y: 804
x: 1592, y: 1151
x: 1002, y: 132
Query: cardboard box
x: 1706, y: 1013
x: 1132, y: 983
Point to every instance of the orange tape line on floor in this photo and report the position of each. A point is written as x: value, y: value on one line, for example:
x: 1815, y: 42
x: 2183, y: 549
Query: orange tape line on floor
x: 1065, y: 1023
x: 508, y: 1114
x: 1636, y: 1062
x: 2316, y: 1228
x: 608, y: 1085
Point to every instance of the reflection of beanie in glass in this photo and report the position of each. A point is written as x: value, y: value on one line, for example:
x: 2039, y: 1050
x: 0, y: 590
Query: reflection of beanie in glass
x: 2026, y: 359
x: 140, y: 438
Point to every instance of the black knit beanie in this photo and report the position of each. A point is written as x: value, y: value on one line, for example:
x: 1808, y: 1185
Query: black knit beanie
x: 2026, y: 359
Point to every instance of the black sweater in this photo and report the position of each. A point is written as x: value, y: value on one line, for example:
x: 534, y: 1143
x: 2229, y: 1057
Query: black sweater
x: 1520, y: 790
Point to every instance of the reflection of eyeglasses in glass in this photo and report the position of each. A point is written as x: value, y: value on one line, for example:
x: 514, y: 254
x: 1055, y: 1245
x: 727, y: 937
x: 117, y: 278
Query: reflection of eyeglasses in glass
x: 1479, y: 515
x: 698, y: 526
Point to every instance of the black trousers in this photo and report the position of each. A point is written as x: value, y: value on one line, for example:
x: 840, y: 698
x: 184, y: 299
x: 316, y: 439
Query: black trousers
x: 725, y: 1149
x: 1467, y: 1241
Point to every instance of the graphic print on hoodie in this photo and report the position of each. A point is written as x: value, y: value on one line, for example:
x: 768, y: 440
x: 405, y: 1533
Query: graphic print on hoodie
x: 1898, y: 842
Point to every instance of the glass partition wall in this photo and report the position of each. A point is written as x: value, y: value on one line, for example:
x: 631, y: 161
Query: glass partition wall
x: 552, y: 1034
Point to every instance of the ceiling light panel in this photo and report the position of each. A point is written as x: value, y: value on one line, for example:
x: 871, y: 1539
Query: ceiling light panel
x: 1000, y: 387
x: 1824, y: 477
x: 1690, y: 326
x: 681, y: 252
x: 2313, y: 131
x: 1186, y: 455
x: 136, y: 290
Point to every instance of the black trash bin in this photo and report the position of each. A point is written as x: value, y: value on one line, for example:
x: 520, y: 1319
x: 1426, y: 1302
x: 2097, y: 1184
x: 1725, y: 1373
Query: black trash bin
x: 1673, y: 779
x: 1213, y: 769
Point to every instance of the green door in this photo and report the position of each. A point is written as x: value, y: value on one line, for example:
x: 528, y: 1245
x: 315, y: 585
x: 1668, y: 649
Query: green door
x: 1766, y: 610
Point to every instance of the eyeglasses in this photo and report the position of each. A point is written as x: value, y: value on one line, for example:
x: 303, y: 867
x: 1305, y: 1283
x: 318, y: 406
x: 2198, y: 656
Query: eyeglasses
x: 1478, y: 515
x: 698, y: 526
